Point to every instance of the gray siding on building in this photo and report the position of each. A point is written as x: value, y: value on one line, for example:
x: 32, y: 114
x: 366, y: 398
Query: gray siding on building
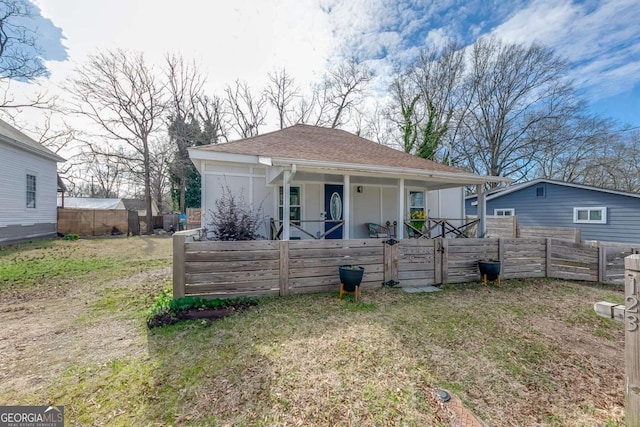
x: 555, y: 209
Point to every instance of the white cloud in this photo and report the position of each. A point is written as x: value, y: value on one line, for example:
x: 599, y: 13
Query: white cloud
x: 602, y: 42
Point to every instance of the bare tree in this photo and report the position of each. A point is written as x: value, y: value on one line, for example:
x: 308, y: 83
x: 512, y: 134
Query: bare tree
x: 213, y: 118
x: 21, y: 59
x: 615, y: 164
x: 162, y: 159
x: 336, y: 98
x: 247, y: 111
x: 19, y: 52
x: 438, y: 77
x: 118, y: 91
x: 346, y: 85
x: 185, y: 84
x: 280, y: 93
x: 512, y: 88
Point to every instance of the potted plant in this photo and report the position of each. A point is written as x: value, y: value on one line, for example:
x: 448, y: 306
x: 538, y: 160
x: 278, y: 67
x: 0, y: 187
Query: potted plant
x: 489, y: 270
x: 351, y: 276
x: 417, y: 218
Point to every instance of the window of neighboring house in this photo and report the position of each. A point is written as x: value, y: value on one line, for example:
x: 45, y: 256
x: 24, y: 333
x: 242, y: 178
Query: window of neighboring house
x: 504, y: 212
x: 539, y: 191
x: 416, y: 204
x: 590, y: 215
x: 31, y: 191
x: 295, y: 203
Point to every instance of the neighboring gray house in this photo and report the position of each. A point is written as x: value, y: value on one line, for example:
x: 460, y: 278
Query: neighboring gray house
x: 600, y: 214
x: 28, y: 187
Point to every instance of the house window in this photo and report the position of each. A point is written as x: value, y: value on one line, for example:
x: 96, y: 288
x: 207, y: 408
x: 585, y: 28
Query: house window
x: 416, y: 204
x: 295, y: 203
x: 504, y: 212
x: 590, y: 215
x: 539, y: 191
x: 31, y: 191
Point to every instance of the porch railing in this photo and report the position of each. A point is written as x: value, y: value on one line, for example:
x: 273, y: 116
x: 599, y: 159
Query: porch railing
x: 443, y: 227
x: 431, y: 228
x: 277, y: 227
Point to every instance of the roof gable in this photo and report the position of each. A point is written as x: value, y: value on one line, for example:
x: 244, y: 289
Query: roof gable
x: 517, y: 187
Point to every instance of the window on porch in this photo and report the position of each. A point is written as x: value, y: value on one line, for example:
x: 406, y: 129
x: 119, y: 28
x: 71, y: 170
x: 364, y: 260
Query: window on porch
x: 295, y: 203
x: 416, y: 204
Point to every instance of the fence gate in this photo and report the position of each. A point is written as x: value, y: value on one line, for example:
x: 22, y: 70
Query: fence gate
x: 133, y: 223
x: 390, y: 262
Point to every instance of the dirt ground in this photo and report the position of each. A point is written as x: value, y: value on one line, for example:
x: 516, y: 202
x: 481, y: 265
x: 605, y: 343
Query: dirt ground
x: 43, y: 330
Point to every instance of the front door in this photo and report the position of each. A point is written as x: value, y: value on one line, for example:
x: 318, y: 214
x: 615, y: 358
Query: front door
x: 333, y: 207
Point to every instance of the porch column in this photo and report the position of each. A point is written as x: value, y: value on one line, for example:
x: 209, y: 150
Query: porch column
x: 482, y: 211
x: 286, y: 210
x: 400, y: 230
x: 346, y: 203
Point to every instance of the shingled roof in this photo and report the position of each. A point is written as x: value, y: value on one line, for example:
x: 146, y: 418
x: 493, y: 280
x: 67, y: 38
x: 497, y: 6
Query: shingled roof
x: 305, y: 142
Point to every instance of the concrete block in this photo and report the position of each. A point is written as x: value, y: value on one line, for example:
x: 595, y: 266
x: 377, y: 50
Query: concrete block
x: 604, y: 309
x: 618, y: 313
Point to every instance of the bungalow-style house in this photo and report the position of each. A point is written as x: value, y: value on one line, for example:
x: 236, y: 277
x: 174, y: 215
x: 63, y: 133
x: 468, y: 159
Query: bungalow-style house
x: 28, y: 173
x: 600, y: 214
x: 314, y: 182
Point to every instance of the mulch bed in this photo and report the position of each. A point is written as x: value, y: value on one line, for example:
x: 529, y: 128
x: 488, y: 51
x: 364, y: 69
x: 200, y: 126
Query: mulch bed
x: 210, y: 314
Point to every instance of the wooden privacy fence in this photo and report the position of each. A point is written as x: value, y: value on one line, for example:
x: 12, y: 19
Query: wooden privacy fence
x: 92, y: 222
x: 268, y: 267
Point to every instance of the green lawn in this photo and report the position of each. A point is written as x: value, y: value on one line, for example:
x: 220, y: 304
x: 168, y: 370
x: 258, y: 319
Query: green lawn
x: 528, y: 353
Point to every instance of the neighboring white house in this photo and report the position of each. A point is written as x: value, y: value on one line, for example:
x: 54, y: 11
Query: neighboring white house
x: 333, y: 178
x: 28, y: 187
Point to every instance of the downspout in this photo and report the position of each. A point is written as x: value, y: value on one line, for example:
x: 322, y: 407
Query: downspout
x: 400, y: 230
x: 347, y: 206
x: 286, y: 209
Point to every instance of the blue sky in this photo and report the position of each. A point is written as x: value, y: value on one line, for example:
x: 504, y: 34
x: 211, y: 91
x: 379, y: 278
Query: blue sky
x: 246, y: 39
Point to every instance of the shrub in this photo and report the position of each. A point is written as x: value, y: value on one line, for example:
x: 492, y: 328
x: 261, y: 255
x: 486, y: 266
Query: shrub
x: 71, y: 236
x: 232, y: 219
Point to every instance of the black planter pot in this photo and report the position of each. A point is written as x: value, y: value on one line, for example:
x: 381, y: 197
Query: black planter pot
x: 489, y: 270
x: 351, y: 276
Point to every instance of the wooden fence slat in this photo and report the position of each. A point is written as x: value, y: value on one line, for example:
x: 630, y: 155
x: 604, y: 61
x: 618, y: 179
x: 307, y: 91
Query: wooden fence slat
x: 284, y: 260
x: 178, y: 265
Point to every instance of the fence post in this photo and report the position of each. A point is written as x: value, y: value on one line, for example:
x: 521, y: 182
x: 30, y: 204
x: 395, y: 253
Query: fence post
x: 178, y: 265
x: 547, y: 266
x: 501, y: 251
x: 632, y: 340
x: 283, y: 246
x: 602, y: 264
x: 444, y: 244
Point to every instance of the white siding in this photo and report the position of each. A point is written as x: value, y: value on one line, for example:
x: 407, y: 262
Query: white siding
x: 312, y: 206
x: 15, y: 164
x: 248, y: 182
